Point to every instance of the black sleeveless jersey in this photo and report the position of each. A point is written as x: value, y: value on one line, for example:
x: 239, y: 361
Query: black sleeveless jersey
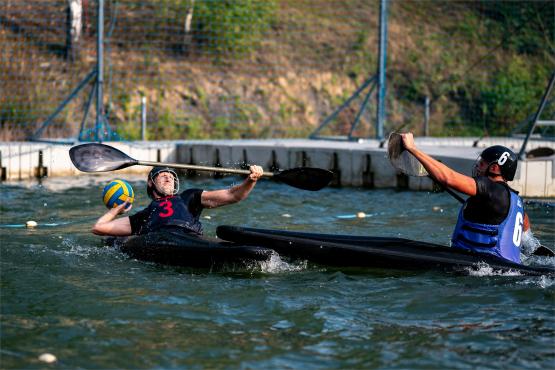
x: 182, y: 211
x: 491, y: 203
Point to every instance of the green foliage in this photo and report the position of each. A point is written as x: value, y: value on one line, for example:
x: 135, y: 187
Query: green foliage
x: 363, y: 57
x: 459, y: 127
x: 483, y: 63
x: 232, y: 27
x: 196, y: 128
x: 523, y: 23
x: 168, y: 125
x: 221, y: 128
x: 510, y: 95
x: 15, y: 108
x: 130, y: 128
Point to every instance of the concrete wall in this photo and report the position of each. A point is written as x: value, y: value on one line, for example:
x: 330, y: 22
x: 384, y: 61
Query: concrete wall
x: 361, y: 163
x: 20, y: 160
x: 358, y: 164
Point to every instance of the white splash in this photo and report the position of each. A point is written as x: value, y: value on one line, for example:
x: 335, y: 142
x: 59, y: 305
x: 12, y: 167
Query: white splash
x: 483, y: 269
x: 546, y: 282
x: 543, y: 281
x: 276, y: 265
x: 529, y: 243
x: 69, y: 246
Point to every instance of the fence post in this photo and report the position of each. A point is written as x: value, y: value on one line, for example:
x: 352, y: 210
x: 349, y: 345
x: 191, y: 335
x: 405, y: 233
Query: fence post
x: 143, y: 118
x: 3, y: 172
x: 381, y: 70
x: 41, y: 171
x: 427, y: 116
x: 100, y: 72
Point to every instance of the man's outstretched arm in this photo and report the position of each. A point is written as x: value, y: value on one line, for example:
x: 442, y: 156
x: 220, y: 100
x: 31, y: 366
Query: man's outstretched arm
x: 218, y: 198
x: 108, y: 224
x: 440, y: 172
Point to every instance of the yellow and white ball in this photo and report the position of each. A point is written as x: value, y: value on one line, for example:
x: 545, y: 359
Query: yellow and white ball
x: 117, y: 192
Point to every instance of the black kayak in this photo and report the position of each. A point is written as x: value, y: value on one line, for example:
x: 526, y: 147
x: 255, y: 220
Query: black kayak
x: 176, y: 248
x: 374, y: 252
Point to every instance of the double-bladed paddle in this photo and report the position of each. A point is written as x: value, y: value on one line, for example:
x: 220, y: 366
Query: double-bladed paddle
x: 406, y: 163
x: 95, y: 157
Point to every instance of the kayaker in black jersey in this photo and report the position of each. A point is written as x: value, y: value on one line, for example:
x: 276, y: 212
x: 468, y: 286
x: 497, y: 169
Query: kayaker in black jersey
x: 170, y: 210
x: 492, y: 220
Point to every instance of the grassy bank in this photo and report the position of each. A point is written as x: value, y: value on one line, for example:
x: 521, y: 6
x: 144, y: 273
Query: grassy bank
x: 278, y: 68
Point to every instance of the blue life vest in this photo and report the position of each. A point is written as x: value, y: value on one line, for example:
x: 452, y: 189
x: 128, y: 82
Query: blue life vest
x: 501, y: 240
x: 171, y: 211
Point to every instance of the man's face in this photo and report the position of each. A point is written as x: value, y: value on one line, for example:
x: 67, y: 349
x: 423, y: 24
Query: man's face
x: 480, y: 168
x: 165, y: 183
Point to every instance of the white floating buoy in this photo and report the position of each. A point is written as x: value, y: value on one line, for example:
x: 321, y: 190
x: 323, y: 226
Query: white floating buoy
x: 207, y: 217
x: 31, y: 224
x: 437, y: 209
x: 286, y: 215
x: 48, y: 358
x: 361, y: 214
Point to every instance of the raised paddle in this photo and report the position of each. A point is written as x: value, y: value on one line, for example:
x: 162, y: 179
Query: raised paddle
x: 94, y: 157
x: 406, y: 163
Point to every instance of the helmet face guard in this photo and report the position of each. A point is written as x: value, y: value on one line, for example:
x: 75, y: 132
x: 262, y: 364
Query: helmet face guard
x: 485, y: 172
x: 476, y: 166
x: 151, y: 184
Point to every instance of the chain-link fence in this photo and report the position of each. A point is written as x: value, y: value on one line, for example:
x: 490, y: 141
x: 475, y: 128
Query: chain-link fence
x: 270, y: 68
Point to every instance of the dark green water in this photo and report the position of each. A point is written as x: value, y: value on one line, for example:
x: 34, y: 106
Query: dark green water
x: 93, y: 307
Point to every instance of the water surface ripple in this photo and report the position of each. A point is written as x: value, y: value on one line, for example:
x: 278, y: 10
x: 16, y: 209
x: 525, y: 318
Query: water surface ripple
x: 92, y: 307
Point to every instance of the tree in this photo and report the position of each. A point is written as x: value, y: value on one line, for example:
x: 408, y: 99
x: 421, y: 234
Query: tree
x: 74, y: 28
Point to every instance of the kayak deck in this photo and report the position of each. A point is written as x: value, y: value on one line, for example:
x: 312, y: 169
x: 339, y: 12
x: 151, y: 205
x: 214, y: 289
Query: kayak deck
x: 374, y: 252
x: 171, y: 247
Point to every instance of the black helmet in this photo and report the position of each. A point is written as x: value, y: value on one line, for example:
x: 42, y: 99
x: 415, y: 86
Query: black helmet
x: 150, y: 187
x: 505, y: 158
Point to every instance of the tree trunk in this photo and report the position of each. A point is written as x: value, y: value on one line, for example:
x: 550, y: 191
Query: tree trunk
x: 74, y: 27
x: 187, y: 40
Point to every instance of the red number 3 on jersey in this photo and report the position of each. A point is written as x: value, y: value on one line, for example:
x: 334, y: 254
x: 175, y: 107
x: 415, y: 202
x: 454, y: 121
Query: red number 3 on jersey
x: 167, y: 206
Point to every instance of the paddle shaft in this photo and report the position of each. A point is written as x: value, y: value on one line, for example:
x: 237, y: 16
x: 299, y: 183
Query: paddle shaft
x: 201, y: 168
x: 451, y: 192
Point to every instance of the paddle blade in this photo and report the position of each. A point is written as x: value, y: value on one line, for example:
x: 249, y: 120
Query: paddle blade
x: 306, y: 178
x: 401, y: 159
x: 94, y: 157
x: 544, y: 251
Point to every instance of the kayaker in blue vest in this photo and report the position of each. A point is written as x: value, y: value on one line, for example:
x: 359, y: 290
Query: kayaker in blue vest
x: 492, y: 220
x: 169, y: 209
